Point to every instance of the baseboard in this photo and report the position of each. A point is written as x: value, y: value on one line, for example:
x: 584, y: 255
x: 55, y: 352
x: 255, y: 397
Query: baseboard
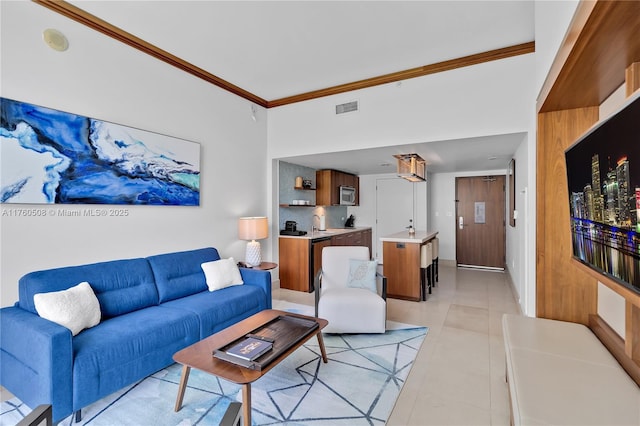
x: 514, y: 291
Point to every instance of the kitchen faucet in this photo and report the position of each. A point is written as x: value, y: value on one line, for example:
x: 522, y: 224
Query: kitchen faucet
x: 313, y: 227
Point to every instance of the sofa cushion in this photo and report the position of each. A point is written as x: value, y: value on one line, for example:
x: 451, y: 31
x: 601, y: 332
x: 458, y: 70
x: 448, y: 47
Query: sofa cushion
x: 180, y: 274
x: 76, y: 308
x: 219, y: 309
x: 121, y: 286
x: 221, y: 273
x: 124, y: 349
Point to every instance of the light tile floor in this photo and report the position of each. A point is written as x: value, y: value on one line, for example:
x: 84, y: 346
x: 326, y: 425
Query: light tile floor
x: 459, y: 374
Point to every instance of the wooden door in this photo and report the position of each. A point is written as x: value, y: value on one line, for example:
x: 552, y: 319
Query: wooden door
x: 480, y: 221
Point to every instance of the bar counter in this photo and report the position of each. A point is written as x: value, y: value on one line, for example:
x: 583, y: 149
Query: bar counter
x: 401, y: 263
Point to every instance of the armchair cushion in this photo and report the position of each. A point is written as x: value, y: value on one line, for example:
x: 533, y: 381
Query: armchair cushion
x: 352, y: 310
x: 362, y: 274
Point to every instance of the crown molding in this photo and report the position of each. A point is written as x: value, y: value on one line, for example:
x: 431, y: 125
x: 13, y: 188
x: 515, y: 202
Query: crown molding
x: 465, y: 61
x: 79, y: 15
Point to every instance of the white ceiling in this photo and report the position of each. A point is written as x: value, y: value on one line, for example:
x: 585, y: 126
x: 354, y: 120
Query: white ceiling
x: 276, y: 49
x: 472, y: 154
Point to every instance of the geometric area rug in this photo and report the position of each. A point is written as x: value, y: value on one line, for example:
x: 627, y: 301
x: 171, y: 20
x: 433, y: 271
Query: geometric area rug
x: 359, y: 385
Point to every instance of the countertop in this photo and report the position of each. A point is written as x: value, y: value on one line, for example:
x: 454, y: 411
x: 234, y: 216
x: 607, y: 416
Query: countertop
x: 330, y: 232
x: 420, y: 237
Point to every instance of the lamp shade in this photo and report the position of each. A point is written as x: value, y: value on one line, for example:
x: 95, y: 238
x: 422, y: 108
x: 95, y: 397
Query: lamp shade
x: 253, y: 228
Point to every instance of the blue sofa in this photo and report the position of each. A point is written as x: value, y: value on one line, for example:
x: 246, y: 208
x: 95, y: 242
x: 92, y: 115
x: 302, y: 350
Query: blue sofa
x: 151, y: 308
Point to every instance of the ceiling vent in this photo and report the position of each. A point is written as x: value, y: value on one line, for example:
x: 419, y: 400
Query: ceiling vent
x: 348, y: 107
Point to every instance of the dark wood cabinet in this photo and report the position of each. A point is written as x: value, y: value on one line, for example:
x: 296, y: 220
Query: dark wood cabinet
x: 328, y: 183
x: 316, y: 252
x: 367, y: 240
x: 338, y: 240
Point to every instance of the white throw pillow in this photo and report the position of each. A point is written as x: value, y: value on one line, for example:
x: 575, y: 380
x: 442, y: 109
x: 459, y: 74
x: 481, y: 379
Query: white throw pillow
x: 362, y: 274
x: 221, y: 273
x: 76, y: 308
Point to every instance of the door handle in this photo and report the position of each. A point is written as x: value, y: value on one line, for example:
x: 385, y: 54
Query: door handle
x: 460, y: 222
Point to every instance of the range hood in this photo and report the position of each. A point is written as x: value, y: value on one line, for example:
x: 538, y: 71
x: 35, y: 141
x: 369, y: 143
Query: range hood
x: 411, y: 167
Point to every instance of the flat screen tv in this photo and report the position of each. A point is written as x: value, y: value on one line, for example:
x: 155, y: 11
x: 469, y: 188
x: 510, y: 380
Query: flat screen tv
x: 603, y: 174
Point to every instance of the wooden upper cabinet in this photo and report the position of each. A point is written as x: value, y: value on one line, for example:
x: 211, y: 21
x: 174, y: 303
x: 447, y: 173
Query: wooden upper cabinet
x: 328, y: 183
x: 323, y: 188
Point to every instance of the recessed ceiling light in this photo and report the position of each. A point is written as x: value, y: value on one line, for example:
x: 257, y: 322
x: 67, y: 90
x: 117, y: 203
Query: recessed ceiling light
x: 55, y: 39
x: 385, y: 164
x: 493, y: 157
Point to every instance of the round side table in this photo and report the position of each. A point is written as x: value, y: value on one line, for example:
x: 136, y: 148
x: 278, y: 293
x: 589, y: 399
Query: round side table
x: 264, y: 266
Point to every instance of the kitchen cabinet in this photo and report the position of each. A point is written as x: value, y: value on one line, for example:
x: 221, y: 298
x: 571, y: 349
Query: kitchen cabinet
x: 367, y: 240
x: 355, y: 238
x: 328, y: 183
x: 316, y: 252
x: 295, y: 263
x: 300, y: 260
x: 338, y: 240
x: 301, y: 257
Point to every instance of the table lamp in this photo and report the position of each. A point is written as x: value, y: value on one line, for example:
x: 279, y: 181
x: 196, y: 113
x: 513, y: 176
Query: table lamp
x: 253, y: 228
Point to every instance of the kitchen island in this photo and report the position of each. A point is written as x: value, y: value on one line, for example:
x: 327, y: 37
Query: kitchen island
x: 300, y: 257
x: 401, y: 257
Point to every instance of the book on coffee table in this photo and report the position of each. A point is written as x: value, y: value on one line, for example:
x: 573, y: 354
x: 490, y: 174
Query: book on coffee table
x: 250, y: 348
x: 280, y: 333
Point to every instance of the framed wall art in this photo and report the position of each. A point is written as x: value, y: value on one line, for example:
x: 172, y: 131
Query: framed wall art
x: 55, y: 157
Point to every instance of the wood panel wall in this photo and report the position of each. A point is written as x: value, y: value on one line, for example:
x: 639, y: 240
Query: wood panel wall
x: 562, y: 293
x: 600, y: 52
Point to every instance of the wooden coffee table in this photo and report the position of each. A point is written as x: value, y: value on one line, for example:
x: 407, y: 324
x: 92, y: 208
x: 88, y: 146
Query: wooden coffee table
x: 200, y: 356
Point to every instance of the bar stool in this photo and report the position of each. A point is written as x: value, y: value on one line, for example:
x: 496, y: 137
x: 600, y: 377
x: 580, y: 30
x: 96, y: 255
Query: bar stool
x: 426, y: 269
x: 434, y: 265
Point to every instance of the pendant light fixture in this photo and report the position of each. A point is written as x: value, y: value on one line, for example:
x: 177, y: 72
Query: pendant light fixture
x: 411, y: 167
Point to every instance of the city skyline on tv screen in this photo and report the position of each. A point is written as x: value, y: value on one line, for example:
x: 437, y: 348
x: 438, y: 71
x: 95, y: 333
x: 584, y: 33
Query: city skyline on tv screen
x: 603, y: 176
x: 603, y: 171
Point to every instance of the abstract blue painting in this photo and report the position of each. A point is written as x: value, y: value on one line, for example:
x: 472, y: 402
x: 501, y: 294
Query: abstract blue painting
x: 54, y: 157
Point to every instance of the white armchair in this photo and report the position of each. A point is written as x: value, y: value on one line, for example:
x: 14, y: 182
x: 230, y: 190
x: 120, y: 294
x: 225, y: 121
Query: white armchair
x: 349, y: 309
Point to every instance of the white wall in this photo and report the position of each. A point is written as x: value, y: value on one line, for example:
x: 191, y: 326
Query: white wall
x: 519, y: 241
x: 101, y: 78
x: 487, y: 99
x: 552, y: 19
